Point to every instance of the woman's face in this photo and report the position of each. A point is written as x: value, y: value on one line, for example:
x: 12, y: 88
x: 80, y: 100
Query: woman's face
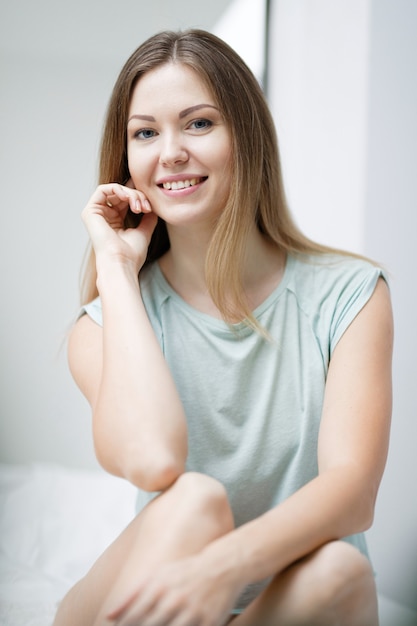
x: 178, y: 145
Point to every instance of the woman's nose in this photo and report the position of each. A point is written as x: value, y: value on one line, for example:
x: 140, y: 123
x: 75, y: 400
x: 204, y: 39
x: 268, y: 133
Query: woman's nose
x: 173, y: 151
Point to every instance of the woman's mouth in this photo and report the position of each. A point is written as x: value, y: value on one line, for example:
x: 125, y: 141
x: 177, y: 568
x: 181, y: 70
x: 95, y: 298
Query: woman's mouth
x: 182, y: 184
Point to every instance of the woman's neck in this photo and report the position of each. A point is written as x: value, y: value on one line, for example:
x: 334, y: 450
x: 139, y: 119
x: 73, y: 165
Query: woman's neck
x: 184, y: 268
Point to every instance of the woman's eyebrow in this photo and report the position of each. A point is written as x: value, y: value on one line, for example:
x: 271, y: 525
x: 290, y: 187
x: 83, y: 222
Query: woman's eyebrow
x: 184, y: 113
x: 145, y: 118
x: 196, y: 108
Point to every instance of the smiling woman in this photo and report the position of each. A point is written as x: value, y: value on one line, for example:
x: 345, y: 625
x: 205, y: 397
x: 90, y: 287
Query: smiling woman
x: 242, y: 109
x: 181, y: 158
x: 239, y: 374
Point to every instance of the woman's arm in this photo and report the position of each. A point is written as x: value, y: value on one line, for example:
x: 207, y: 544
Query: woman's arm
x: 353, y: 445
x: 138, y: 420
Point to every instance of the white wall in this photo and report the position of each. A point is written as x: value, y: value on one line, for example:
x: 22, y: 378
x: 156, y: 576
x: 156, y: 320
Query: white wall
x: 344, y: 96
x: 59, y: 61
x: 242, y: 25
x: 391, y: 235
x: 318, y: 93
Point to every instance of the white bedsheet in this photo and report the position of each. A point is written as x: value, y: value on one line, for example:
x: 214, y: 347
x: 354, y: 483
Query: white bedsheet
x: 54, y: 523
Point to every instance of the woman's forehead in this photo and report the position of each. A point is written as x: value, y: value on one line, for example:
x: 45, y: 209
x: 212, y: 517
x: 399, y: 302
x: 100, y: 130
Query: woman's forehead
x: 171, y: 84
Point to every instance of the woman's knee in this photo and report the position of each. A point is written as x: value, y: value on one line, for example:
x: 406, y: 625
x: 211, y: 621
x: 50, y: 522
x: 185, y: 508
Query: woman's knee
x: 339, y: 563
x: 203, y: 495
x: 344, y: 583
x: 206, y: 494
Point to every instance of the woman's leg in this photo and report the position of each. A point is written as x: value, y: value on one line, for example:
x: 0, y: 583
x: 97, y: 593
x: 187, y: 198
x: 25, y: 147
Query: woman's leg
x: 178, y: 523
x: 334, y: 586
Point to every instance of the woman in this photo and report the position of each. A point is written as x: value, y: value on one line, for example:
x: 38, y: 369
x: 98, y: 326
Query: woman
x: 243, y: 383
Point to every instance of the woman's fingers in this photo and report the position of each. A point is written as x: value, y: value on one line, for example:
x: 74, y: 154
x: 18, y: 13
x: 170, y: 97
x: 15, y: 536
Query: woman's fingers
x: 121, y: 196
x: 104, y: 217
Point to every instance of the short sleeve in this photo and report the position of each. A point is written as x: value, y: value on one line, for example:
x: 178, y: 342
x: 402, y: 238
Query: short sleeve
x: 355, y: 293
x: 93, y: 309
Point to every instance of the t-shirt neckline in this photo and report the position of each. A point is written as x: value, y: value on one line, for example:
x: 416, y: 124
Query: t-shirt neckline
x: 219, y: 323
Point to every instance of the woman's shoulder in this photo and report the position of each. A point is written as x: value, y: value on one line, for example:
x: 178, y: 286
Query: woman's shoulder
x: 331, y: 289
x: 331, y: 272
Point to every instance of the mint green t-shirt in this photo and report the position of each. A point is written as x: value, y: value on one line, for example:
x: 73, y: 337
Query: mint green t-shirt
x: 253, y: 407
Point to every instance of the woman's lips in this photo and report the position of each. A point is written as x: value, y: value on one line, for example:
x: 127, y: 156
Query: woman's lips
x: 182, y: 186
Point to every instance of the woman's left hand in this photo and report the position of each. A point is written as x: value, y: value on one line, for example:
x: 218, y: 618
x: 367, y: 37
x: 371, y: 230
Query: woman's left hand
x: 180, y: 593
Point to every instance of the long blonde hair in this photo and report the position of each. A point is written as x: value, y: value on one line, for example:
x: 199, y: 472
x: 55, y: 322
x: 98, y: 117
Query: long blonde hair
x: 257, y: 192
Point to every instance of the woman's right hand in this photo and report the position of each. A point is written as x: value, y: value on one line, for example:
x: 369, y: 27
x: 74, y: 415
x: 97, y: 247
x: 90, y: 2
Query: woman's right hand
x: 104, y: 217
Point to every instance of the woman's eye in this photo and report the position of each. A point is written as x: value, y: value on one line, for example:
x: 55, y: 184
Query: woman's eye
x: 201, y: 124
x: 145, y: 133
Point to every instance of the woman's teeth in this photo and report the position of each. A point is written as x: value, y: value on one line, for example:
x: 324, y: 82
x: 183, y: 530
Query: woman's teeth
x: 181, y: 184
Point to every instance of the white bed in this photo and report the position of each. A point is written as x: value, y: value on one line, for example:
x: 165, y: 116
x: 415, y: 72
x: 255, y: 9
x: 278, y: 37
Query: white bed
x: 54, y: 522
